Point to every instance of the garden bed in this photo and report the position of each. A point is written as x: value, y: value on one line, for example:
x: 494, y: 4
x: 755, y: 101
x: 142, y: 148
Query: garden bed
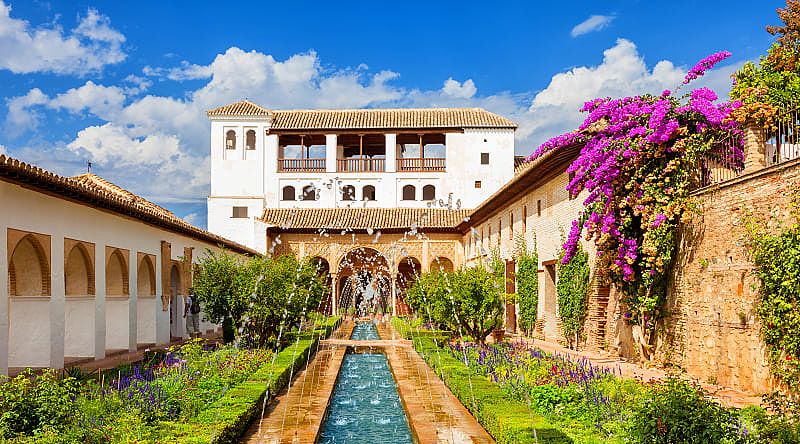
x: 507, y: 420
x: 195, y: 394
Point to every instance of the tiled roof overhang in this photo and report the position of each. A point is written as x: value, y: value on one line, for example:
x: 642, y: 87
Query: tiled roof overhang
x: 92, y: 195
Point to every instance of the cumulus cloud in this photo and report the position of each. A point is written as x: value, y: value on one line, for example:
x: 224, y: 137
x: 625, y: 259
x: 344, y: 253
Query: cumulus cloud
x: 25, y: 48
x: 20, y: 116
x: 462, y: 90
x: 158, y: 145
x: 592, y: 24
x: 3, y: 149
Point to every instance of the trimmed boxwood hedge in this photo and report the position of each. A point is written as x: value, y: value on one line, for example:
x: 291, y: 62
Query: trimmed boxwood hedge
x: 509, y: 421
x: 226, y: 420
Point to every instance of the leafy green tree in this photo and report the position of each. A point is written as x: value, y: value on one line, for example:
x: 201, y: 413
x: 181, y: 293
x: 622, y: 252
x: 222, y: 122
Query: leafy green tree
x: 468, y: 300
x: 216, y: 284
x: 572, y: 288
x: 283, y: 291
x: 528, y: 286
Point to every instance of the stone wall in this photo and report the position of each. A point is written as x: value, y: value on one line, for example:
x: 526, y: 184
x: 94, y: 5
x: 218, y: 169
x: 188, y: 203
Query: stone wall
x: 712, y: 330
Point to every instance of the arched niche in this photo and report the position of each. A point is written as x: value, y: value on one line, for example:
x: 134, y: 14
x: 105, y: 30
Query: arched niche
x: 28, y: 263
x: 78, y: 268
x: 116, y: 272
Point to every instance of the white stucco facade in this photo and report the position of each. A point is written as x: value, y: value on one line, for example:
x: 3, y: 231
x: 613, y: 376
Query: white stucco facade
x: 468, y: 165
x: 44, y: 326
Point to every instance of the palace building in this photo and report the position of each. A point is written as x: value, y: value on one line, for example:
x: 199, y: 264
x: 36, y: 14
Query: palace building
x: 265, y: 159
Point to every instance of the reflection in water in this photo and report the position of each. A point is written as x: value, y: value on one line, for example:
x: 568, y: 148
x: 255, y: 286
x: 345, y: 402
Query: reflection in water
x: 365, y: 406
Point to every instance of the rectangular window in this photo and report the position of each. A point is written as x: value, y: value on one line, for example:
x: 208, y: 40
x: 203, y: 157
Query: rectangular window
x: 539, y: 208
x: 524, y: 220
x: 511, y: 227
x: 240, y: 212
x: 477, y: 184
x: 484, y: 158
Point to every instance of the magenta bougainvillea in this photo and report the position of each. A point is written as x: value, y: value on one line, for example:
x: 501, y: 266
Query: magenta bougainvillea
x: 638, y: 165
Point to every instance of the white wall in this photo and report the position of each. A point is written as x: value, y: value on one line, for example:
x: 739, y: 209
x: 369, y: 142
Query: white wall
x: 42, y: 330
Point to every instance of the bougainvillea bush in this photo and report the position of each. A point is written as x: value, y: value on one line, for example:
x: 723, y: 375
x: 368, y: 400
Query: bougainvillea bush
x: 638, y: 165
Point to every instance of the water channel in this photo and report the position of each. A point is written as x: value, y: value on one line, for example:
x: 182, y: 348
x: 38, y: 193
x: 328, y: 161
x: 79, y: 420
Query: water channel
x: 365, y: 406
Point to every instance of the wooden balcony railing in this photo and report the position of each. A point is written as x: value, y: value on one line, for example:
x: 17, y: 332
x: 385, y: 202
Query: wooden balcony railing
x: 301, y: 165
x: 423, y: 164
x: 361, y: 165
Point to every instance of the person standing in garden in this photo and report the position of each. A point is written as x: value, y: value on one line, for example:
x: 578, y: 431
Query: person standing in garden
x: 191, y: 312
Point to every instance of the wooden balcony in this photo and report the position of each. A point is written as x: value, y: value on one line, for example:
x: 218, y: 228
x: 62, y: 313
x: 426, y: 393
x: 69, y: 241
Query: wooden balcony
x: 301, y: 165
x: 366, y: 165
x: 421, y: 164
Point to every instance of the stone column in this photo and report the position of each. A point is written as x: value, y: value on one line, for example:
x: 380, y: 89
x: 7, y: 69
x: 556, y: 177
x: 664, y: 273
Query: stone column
x: 755, y: 148
x: 394, y: 294
x: 4, y: 321
x: 100, y: 258
x: 133, y: 299
x: 334, y: 294
x: 391, y: 153
x: 162, y: 315
x: 57, y: 291
x: 330, y: 153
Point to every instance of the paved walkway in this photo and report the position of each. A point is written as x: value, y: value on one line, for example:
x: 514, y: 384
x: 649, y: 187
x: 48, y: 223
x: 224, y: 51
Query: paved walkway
x: 725, y: 395
x: 435, y: 415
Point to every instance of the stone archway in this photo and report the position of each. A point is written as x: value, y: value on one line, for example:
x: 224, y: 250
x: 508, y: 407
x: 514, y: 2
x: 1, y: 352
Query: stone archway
x: 175, y: 302
x: 409, y: 269
x: 364, y: 284
x: 323, y: 269
x: 443, y: 264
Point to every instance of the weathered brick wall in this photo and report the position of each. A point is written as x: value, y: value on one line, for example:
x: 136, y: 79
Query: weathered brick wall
x: 712, y: 330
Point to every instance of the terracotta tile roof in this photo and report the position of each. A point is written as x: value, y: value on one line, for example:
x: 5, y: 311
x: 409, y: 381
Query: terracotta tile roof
x: 289, y: 219
x: 240, y: 108
x: 389, y: 118
x: 94, y: 191
x: 345, y: 119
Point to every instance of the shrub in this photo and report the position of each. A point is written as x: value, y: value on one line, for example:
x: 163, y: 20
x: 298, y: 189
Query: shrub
x: 572, y: 288
x: 31, y: 404
x: 678, y: 412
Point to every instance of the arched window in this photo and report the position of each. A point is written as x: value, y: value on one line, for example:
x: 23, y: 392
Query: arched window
x: 368, y: 192
x: 288, y: 193
x: 348, y: 192
x: 116, y: 275
x: 29, y: 270
x: 146, y: 278
x: 428, y: 192
x: 309, y: 193
x: 78, y: 272
x: 250, y: 140
x: 409, y: 192
x: 230, y: 140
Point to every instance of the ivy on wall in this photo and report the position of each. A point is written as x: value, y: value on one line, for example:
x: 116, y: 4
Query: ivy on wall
x: 776, y: 255
x: 572, y: 288
x: 528, y: 285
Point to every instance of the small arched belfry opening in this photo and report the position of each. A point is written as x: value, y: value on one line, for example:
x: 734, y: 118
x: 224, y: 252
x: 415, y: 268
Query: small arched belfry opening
x: 116, y: 272
x: 442, y: 264
x: 28, y: 263
x: 146, y: 276
x: 288, y: 193
x: 78, y: 268
x: 230, y: 140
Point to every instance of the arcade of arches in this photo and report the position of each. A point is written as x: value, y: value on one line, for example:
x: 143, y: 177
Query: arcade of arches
x: 370, y: 273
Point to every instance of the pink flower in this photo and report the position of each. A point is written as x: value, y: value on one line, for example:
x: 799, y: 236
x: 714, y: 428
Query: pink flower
x: 704, y: 65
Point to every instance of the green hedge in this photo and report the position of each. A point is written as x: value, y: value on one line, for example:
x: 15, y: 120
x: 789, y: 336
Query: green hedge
x: 404, y: 328
x: 226, y: 420
x: 507, y: 420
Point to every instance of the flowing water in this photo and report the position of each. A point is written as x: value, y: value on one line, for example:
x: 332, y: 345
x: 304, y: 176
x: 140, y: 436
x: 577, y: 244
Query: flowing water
x: 365, y: 331
x: 365, y: 406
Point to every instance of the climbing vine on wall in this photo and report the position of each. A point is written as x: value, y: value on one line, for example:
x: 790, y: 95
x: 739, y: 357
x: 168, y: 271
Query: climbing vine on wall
x: 638, y: 165
x: 775, y: 250
x: 528, y: 285
x: 572, y: 288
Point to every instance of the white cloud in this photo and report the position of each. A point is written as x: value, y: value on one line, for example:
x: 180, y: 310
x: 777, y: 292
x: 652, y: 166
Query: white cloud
x: 454, y: 88
x: 592, y: 24
x: 3, y: 149
x: 25, y: 48
x: 158, y: 146
x: 20, y: 117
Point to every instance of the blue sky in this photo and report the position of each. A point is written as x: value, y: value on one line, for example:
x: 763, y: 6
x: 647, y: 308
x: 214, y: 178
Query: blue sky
x: 126, y: 84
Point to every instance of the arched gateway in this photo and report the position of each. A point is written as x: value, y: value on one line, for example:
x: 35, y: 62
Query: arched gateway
x: 364, y: 282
